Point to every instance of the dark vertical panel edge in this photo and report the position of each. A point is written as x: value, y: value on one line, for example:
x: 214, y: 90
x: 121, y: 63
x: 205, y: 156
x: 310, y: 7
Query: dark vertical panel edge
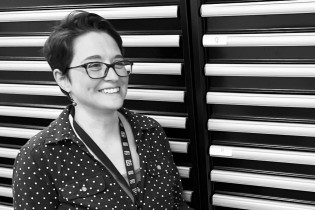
x: 202, y: 143
x: 184, y: 15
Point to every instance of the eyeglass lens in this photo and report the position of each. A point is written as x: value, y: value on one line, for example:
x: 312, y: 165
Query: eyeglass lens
x: 98, y: 70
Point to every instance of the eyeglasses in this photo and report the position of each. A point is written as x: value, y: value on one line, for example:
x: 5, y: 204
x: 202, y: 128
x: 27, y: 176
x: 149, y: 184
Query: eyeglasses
x: 97, y: 70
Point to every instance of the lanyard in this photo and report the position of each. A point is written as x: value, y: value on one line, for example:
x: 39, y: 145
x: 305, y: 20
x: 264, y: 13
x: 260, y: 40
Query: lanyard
x: 105, y: 160
x: 128, y: 161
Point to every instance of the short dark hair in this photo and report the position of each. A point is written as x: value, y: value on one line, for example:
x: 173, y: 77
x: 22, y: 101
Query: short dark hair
x: 58, y: 48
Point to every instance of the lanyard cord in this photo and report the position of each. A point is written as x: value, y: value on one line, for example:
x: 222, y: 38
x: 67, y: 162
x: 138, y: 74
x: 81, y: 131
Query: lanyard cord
x: 128, y: 161
x: 105, y: 160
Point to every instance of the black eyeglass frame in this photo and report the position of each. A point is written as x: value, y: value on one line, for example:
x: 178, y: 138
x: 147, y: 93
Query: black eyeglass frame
x: 108, y: 66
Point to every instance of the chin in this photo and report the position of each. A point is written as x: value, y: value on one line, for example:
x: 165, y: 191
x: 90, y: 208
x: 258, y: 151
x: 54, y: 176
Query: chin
x: 113, y: 106
x: 107, y: 103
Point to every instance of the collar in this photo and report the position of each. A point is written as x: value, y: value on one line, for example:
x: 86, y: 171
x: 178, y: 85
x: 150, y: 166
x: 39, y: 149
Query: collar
x: 138, y: 121
x: 61, y: 129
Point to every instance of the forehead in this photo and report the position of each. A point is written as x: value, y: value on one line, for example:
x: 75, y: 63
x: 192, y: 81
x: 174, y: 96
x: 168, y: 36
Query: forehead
x: 94, y: 44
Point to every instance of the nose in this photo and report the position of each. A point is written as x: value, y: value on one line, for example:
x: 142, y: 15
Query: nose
x: 111, y: 75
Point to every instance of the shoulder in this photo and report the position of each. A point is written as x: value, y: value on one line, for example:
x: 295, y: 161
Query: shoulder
x: 28, y: 152
x: 57, y: 130
x: 37, y: 140
x: 143, y: 122
x: 149, y: 132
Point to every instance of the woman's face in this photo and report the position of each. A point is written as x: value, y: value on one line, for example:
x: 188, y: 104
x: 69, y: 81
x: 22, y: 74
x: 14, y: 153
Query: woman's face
x: 104, y: 94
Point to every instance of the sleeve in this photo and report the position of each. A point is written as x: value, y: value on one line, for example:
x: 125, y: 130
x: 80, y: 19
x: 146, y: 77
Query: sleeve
x: 32, y: 189
x: 177, y: 188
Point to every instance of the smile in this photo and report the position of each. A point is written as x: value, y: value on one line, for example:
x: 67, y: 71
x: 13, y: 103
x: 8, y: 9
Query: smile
x: 110, y: 90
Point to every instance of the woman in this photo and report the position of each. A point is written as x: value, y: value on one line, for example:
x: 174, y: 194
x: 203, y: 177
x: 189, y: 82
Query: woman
x: 96, y: 154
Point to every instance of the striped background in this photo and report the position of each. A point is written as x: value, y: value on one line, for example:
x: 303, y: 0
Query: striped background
x: 231, y: 81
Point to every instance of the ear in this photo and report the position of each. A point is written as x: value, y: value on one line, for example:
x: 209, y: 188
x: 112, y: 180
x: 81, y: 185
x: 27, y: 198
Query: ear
x: 62, y: 80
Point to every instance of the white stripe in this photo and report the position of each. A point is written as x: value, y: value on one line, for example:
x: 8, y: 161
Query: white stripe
x: 184, y: 171
x: 165, y: 121
x: 128, y: 41
x: 256, y: 204
x: 24, y: 66
x: 260, y: 70
x: 6, y: 192
x: 157, y: 68
x: 7, y: 152
x: 6, y: 173
x: 48, y: 90
x: 187, y: 195
x: 270, y: 155
x: 3, y: 207
x: 276, y: 100
x: 258, y: 8
x: 108, y: 13
x: 243, y: 126
x: 151, y: 41
x: 256, y: 40
x: 18, y: 132
x: 132, y: 94
x: 20, y: 41
x: 170, y: 121
x: 273, y: 181
x: 179, y: 147
x: 45, y: 113
x: 138, y: 68
x: 156, y: 95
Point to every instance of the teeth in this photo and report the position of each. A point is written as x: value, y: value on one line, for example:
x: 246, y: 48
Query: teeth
x: 110, y: 90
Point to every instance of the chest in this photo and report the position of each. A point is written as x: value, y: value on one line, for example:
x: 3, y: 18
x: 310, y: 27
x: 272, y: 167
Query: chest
x: 118, y: 154
x: 80, y: 179
x: 117, y: 143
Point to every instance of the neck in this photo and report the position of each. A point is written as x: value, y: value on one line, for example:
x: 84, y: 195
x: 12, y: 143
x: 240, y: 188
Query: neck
x: 93, y: 120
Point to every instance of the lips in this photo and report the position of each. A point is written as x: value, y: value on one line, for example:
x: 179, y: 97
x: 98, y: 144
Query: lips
x: 110, y: 90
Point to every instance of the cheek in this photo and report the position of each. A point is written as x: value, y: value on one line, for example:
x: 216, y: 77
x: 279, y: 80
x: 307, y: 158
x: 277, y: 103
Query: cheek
x: 124, y: 86
x: 85, y: 85
x: 125, y: 80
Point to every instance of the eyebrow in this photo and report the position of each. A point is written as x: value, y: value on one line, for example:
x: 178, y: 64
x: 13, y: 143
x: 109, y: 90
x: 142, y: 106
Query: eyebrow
x: 119, y: 56
x: 93, y: 57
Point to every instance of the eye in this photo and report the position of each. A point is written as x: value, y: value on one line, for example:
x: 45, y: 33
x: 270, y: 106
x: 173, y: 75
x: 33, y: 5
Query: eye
x: 94, y: 66
x: 120, y: 64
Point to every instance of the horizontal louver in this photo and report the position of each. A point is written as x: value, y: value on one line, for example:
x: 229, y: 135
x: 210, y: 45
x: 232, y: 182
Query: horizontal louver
x: 259, y: 98
x: 158, y: 86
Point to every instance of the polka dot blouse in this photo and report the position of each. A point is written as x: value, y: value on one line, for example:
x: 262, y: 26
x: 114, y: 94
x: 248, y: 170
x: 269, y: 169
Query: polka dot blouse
x: 54, y: 170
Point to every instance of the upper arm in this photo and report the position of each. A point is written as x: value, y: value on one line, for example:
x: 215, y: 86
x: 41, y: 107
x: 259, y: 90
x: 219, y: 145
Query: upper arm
x: 177, y: 187
x: 32, y: 187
